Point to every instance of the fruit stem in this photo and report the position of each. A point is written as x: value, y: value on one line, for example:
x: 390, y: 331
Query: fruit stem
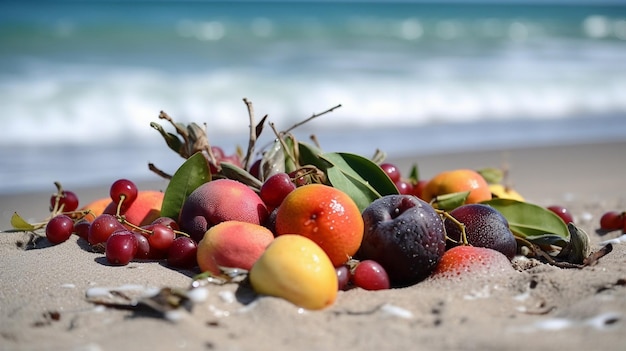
x: 57, y: 199
x: 119, y: 205
x: 461, y: 226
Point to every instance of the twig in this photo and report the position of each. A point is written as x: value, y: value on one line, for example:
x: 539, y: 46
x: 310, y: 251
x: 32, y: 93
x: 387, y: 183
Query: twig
x: 158, y: 171
x: 315, y: 115
x: 254, y: 131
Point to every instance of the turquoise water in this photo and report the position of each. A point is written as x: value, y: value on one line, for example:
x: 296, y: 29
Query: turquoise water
x: 89, y: 76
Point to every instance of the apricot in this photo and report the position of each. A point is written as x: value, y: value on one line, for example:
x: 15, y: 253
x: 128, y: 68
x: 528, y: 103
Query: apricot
x: 219, y: 201
x: 232, y: 244
x: 458, y: 180
x: 145, y: 209
x: 96, y: 207
x: 324, y: 214
x: 296, y: 269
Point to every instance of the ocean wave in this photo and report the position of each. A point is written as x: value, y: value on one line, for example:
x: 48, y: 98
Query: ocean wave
x: 99, y: 103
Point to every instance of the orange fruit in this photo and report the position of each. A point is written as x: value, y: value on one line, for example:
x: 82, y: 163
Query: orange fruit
x: 145, y: 209
x: 327, y: 216
x: 458, y: 180
x: 96, y: 207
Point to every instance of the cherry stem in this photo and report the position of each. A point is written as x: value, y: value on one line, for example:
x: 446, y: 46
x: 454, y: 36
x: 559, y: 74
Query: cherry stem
x: 119, y: 205
x: 135, y: 227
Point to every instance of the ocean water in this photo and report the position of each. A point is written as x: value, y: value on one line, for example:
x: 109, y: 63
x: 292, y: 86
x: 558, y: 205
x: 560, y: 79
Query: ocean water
x: 80, y: 81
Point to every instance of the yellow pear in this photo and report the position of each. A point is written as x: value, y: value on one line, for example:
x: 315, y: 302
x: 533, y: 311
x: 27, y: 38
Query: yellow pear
x: 296, y: 269
x: 503, y: 192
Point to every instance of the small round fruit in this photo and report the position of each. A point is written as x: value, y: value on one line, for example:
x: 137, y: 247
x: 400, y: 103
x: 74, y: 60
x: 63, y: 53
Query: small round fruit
x: 484, y: 227
x: 68, y: 201
x: 458, y: 180
x: 276, y: 188
x: 167, y: 222
x: 392, y: 171
x: 296, y: 269
x: 81, y: 228
x: 102, y: 227
x: 182, y: 253
x: 143, y: 247
x: 59, y: 229
x: 370, y: 275
x: 123, y: 188
x: 405, y: 235
x: 612, y: 220
x: 161, y: 237
x: 343, y: 277
x: 326, y: 215
x: 562, y: 212
x: 418, y: 188
x: 404, y: 187
x: 121, y: 248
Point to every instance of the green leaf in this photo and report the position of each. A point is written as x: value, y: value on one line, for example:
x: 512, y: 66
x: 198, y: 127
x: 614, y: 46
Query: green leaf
x: 414, y: 174
x: 172, y: 140
x: 360, y: 178
x: 19, y: 223
x: 190, y: 175
x: 530, y: 221
x: 449, y: 202
x: 310, y: 155
x: 357, y: 189
x: 492, y: 175
x: 291, y: 144
x: 234, y: 172
x: 363, y: 168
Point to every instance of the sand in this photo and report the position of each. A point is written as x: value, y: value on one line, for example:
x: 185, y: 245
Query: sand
x: 44, y: 305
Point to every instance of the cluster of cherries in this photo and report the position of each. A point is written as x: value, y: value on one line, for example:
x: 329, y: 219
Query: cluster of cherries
x: 405, y: 186
x: 121, y: 240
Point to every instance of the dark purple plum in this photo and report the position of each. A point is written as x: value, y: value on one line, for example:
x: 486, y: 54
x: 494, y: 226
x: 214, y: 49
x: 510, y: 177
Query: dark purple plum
x: 484, y: 227
x: 405, y: 235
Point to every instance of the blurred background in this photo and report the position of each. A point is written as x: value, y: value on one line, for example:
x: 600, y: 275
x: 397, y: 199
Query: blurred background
x: 80, y: 81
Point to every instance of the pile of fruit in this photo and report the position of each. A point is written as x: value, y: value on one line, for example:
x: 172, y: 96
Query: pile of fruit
x: 304, y: 223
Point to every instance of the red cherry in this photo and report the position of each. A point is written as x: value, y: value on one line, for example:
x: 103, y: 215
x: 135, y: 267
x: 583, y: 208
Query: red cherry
x: 562, y: 212
x: 392, y: 171
x: 612, y: 220
x: 123, y: 188
x: 370, y: 275
x: 68, y: 201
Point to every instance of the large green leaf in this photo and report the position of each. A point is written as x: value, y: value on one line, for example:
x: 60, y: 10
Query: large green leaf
x: 360, y: 178
x: 357, y: 189
x: 530, y: 221
x: 190, y: 175
x: 363, y: 168
x: 310, y: 155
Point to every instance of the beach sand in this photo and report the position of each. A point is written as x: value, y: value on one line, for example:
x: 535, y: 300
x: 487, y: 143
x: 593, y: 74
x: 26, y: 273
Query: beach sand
x: 43, y: 304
